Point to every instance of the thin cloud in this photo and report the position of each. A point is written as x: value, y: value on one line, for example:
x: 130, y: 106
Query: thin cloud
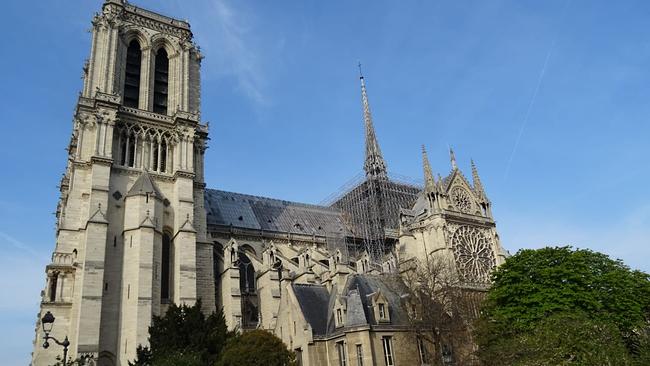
x: 227, y: 36
x: 540, y: 79
x: 533, y: 98
x: 8, y: 239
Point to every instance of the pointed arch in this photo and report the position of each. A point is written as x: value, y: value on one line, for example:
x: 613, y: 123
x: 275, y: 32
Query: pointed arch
x: 161, y: 81
x: 246, y: 273
x: 54, y: 279
x: 132, y: 74
x: 166, y: 273
x: 247, y: 287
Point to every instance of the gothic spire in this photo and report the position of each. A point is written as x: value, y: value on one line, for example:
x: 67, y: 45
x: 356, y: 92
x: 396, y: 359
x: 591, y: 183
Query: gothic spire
x: 374, y: 165
x: 429, y: 180
x: 452, y: 157
x: 478, y: 186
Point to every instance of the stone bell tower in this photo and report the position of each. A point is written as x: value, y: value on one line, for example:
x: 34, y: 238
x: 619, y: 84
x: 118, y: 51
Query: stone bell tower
x: 131, y: 229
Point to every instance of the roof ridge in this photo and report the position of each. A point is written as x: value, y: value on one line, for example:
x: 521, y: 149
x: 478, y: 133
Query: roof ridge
x: 251, y: 196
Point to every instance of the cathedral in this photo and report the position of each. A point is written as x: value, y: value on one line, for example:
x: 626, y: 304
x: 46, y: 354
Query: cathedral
x: 137, y: 228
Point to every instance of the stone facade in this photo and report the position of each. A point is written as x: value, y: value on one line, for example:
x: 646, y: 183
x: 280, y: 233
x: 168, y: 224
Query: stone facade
x: 132, y: 179
x: 137, y: 229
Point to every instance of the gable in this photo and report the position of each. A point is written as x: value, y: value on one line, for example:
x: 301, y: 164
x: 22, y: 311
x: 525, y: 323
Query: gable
x: 461, y: 194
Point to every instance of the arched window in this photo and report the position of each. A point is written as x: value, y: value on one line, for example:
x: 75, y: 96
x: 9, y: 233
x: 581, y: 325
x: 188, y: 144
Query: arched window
x: 155, y: 155
x: 131, y: 155
x: 163, y: 156
x: 127, y: 149
x: 249, y: 301
x: 161, y: 78
x: 132, y: 75
x: 166, y: 274
x: 217, y: 256
x: 53, y: 285
x: 246, y: 274
x: 123, y: 144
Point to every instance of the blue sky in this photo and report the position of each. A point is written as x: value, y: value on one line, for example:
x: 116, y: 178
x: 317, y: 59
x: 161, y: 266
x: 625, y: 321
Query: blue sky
x: 551, y: 99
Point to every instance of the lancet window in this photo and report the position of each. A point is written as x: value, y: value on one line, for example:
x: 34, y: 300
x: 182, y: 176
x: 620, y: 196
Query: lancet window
x: 132, y: 75
x: 148, y: 148
x: 161, y: 80
x: 249, y: 302
x: 246, y: 274
x: 127, y: 143
x: 166, y: 275
x: 53, y: 286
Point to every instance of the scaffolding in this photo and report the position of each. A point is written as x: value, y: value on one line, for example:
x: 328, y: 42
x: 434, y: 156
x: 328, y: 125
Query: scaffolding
x: 370, y: 207
x: 371, y: 202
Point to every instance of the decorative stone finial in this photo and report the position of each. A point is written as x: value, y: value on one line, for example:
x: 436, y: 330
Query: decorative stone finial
x: 452, y: 157
x: 429, y: 180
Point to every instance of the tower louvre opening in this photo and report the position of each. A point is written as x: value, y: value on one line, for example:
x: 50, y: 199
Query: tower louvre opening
x: 132, y: 75
x: 161, y: 80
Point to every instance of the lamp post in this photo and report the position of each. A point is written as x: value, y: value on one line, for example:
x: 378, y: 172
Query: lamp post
x: 48, y: 322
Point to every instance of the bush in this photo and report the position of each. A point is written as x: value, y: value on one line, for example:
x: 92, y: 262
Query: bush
x: 256, y: 348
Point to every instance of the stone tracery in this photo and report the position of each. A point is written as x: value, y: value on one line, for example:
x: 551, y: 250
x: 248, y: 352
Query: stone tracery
x: 473, y: 253
x: 149, y: 147
x: 461, y: 199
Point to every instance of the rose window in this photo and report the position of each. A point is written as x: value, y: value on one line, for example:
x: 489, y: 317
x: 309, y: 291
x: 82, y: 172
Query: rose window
x: 461, y: 199
x: 473, y: 253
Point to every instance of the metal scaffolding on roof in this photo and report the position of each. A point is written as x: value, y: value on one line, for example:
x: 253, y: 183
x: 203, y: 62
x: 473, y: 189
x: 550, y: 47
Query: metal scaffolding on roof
x: 371, y: 210
x: 371, y: 203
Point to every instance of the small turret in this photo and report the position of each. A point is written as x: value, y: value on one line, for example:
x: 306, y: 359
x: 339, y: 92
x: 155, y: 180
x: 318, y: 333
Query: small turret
x: 476, y: 181
x: 480, y: 192
x: 429, y: 180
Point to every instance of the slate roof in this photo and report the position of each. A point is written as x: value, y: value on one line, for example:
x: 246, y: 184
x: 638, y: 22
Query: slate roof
x: 144, y: 184
x: 268, y: 214
x: 313, y: 300
x: 317, y: 304
x: 355, y: 313
x: 389, y: 286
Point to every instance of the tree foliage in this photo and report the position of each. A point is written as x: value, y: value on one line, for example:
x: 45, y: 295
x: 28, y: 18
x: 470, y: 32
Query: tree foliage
x: 559, y: 306
x: 184, y: 336
x: 256, y: 348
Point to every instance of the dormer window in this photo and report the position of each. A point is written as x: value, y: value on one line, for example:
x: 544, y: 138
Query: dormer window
x: 380, y: 308
x: 339, y: 317
x: 339, y: 312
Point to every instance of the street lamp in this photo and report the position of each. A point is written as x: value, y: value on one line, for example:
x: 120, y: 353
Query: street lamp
x: 48, y: 322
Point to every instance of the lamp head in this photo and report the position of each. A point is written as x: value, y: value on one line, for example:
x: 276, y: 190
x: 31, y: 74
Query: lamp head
x: 48, y: 322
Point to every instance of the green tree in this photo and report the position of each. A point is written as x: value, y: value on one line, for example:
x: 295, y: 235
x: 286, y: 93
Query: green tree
x: 184, y: 336
x: 561, y: 339
x: 256, y: 348
x: 578, y: 298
